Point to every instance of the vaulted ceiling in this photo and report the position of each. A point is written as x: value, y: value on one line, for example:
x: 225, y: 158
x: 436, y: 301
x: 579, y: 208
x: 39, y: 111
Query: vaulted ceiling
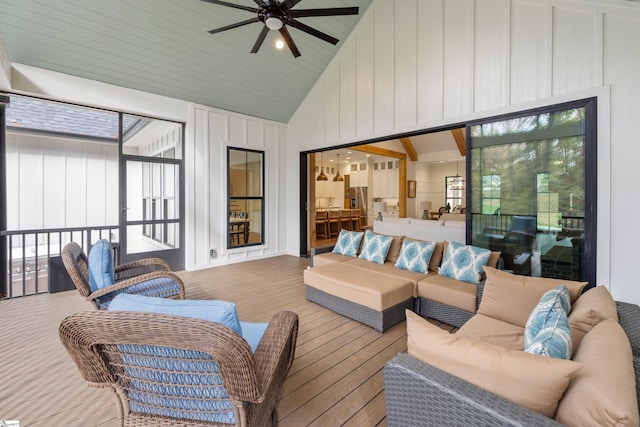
x: 163, y: 47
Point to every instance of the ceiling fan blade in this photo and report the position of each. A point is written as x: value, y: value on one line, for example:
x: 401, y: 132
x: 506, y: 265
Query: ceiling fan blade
x: 260, y: 40
x: 289, y: 41
x: 235, y: 6
x: 317, y: 33
x: 330, y: 11
x: 291, y: 3
x: 236, y: 25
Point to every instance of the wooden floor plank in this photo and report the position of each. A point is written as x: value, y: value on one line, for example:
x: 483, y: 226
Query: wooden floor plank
x: 335, y: 379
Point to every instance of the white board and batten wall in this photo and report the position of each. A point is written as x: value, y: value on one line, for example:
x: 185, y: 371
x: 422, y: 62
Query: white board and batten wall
x: 411, y: 65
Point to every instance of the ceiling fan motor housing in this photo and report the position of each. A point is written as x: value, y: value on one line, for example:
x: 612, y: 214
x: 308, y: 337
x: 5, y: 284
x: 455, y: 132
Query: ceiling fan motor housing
x: 274, y: 17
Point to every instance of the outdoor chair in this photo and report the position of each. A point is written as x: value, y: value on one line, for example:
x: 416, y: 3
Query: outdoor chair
x: 151, y: 277
x: 167, y: 370
x: 516, y: 244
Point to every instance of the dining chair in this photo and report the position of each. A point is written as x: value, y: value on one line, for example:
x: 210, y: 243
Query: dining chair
x: 345, y: 219
x: 334, y: 219
x: 321, y: 224
x: 356, y: 223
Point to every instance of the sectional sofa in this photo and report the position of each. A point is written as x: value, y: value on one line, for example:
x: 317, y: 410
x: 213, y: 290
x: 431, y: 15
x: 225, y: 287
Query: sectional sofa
x: 486, y: 374
x: 377, y: 292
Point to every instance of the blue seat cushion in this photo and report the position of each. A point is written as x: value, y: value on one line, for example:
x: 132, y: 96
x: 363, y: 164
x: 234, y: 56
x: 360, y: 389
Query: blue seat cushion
x: 222, y: 312
x: 100, y: 262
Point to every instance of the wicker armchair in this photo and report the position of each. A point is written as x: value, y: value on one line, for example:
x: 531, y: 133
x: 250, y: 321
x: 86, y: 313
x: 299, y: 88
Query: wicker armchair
x: 150, y: 277
x: 206, y: 374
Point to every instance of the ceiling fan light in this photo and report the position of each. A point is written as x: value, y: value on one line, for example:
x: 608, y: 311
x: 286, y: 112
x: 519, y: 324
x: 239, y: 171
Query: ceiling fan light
x: 273, y: 23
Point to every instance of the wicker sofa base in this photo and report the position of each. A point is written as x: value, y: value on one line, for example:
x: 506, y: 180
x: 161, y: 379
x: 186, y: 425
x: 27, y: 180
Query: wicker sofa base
x: 378, y: 320
x: 442, y: 312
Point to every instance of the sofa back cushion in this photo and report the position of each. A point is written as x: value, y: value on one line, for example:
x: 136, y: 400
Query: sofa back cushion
x: 603, y: 392
x: 533, y: 381
x: 511, y: 297
x: 591, y: 308
x: 394, y: 250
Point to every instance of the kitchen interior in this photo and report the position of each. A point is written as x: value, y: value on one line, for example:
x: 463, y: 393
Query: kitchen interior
x: 374, y: 179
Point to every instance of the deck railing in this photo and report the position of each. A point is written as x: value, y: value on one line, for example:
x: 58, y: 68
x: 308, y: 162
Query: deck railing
x: 31, y: 254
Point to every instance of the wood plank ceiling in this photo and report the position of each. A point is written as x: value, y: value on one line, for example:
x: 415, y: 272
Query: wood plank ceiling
x: 163, y: 47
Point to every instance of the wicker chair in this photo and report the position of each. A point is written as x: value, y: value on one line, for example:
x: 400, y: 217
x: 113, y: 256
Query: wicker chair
x: 150, y: 277
x: 206, y: 369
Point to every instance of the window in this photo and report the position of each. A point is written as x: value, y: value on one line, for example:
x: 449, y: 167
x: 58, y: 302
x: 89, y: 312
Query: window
x: 533, y: 190
x: 454, y: 187
x: 245, y: 177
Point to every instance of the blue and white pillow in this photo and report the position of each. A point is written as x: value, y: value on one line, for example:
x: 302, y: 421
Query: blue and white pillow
x: 547, y: 329
x: 348, y: 243
x: 554, y: 338
x: 100, y: 263
x: 415, y: 255
x: 464, y: 262
x: 375, y: 247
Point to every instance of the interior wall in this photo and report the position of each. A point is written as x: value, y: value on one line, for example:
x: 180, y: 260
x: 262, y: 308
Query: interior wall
x: 206, y: 162
x: 422, y: 64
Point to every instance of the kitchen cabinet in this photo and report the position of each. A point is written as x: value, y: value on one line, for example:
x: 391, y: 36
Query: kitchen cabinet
x: 359, y: 177
x: 385, y: 179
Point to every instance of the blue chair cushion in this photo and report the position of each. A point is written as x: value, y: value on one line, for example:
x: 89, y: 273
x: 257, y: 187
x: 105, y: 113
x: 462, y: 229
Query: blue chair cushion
x: 375, y: 247
x: 222, y: 312
x: 100, y: 262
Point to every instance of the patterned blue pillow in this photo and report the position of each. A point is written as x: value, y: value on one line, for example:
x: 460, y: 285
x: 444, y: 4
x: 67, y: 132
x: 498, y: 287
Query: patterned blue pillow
x: 415, y: 255
x: 546, y: 328
x: 464, y: 262
x: 375, y: 247
x: 348, y: 243
x: 554, y: 338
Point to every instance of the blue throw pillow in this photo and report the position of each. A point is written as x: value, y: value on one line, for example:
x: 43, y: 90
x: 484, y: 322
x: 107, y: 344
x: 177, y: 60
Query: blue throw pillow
x: 348, y: 243
x: 464, y: 262
x: 415, y: 255
x: 222, y: 312
x: 100, y: 261
x: 547, y: 329
x: 375, y: 247
x: 554, y: 338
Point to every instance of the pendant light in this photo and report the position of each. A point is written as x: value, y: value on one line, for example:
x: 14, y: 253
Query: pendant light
x: 338, y: 177
x: 322, y: 176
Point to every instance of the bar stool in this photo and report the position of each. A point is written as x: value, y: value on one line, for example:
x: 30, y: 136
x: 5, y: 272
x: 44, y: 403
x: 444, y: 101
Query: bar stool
x: 345, y: 218
x: 355, y: 220
x: 321, y: 221
x: 334, y: 218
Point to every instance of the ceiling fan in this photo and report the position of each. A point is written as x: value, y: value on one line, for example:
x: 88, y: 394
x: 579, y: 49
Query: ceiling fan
x: 276, y: 15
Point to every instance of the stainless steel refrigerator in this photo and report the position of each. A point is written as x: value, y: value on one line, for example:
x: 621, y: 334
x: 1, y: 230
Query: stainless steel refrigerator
x: 357, y: 197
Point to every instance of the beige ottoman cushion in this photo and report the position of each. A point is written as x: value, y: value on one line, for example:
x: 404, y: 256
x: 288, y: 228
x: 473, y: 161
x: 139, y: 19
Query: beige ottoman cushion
x: 370, y: 289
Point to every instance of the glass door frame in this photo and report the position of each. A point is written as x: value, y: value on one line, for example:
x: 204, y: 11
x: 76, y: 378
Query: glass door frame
x: 175, y: 257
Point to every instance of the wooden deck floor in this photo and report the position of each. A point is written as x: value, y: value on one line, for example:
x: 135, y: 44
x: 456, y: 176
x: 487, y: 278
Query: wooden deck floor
x: 336, y: 378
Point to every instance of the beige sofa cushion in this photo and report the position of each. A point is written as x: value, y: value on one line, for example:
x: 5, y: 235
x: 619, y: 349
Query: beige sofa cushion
x: 511, y: 298
x: 493, y: 331
x: 452, y: 292
x: 603, y: 392
x: 367, y: 288
x: 394, y: 250
x: 591, y: 308
x: 329, y: 258
x: 536, y: 382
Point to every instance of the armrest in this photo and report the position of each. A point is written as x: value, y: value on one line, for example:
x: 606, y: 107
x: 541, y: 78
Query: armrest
x: 629, y: 319
x: 134, y: 268
x: 123, y: 284
x: 416, y: 391
x: 319, y: 250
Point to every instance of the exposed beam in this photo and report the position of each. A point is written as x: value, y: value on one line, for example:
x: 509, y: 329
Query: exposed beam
x: 408, y: 146
x: 461, y: 142
x: 379, y: 151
